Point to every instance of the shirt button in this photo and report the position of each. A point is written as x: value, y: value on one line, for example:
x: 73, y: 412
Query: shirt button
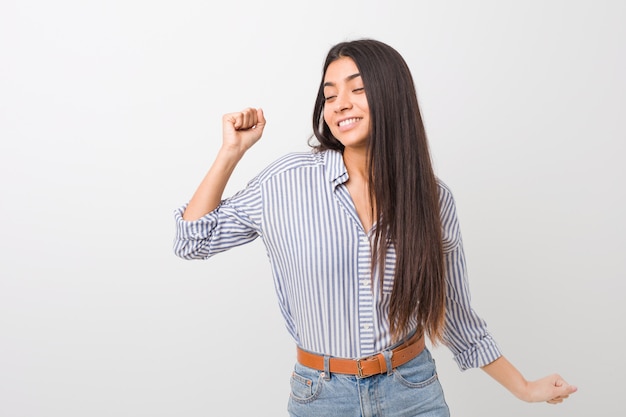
x: 365, y: 282
x: 366, y: 326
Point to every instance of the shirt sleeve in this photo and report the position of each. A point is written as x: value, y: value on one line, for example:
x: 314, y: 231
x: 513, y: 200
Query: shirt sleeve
x: 465, y: 332
x: 236, y: 221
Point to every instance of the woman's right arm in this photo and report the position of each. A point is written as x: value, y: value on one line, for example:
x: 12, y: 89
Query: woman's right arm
x: 240, y: 131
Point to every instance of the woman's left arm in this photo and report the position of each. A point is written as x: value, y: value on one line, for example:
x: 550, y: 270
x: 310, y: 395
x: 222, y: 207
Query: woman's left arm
x: 552, y: 389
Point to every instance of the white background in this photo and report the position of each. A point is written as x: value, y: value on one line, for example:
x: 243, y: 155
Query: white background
x: 110, y: 114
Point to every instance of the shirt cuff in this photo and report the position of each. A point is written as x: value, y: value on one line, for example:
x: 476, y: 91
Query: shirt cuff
x: 193, y: 229
x: 478, y: 355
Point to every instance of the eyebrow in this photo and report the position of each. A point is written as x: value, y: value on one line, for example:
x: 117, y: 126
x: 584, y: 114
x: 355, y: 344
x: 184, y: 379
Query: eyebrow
x: 348, y: 78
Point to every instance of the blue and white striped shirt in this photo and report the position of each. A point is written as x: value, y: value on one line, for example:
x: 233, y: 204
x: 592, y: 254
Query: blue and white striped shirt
x: 320, y: 257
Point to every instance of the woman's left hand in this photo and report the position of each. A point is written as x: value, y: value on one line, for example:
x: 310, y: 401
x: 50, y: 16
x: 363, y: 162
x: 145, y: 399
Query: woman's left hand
x: 553, y: 389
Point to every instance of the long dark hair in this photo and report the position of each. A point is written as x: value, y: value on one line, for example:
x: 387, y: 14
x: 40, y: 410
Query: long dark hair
x: 403, y: 186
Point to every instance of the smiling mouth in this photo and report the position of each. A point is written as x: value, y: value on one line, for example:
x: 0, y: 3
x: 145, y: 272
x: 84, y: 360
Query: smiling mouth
x: 348, y: 121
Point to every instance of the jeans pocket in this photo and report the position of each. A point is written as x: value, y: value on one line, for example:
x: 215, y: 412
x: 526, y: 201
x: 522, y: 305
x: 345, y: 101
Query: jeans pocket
x: 419, y: 372
x: 305, y: 384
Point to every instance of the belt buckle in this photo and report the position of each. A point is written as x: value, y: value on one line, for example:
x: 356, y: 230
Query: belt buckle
x: 363, y: 373
x: 359, y: 368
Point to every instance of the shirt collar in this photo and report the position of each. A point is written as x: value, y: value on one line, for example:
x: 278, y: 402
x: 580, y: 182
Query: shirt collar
x: 335, y: 167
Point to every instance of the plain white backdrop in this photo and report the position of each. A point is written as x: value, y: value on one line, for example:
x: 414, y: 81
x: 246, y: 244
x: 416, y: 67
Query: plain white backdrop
x: 110, y: 114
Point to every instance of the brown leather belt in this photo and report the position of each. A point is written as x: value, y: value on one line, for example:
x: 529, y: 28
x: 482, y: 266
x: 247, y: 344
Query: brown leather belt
x: 368, y: 366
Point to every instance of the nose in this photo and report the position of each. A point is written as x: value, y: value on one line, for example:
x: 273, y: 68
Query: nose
x: 342, y: 102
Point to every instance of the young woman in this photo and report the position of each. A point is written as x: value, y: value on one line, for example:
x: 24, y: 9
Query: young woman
x: 364, y: 245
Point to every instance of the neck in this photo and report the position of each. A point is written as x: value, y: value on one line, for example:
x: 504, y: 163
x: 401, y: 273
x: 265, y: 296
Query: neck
x: 356, y: 164
x: 358, y: 186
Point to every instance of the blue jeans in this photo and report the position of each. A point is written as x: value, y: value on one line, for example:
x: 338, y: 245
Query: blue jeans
x: 410, y: 390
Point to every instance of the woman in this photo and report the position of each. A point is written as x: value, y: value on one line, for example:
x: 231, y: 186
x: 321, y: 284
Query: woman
x: 364, y: 245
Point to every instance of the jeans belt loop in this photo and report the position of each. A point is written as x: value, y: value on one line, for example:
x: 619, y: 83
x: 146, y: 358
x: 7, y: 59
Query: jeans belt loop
x: 388, y: 354
x: 326, y: 368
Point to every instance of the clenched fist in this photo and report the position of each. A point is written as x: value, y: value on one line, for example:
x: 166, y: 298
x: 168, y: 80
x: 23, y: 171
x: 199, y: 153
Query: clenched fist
x: 242, y: 129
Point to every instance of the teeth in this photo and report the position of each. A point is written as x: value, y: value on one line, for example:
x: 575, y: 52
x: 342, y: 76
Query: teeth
x: 348, y: 121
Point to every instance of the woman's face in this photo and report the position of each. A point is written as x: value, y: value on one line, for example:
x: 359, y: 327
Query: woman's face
x: 346, y: 111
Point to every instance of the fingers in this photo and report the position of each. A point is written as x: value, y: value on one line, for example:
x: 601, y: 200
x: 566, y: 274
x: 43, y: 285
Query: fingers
x: 260, y: 118
x: 246, y: 119
x: 241, y: 130
x: 563, y: 390
x: 557, y: 400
